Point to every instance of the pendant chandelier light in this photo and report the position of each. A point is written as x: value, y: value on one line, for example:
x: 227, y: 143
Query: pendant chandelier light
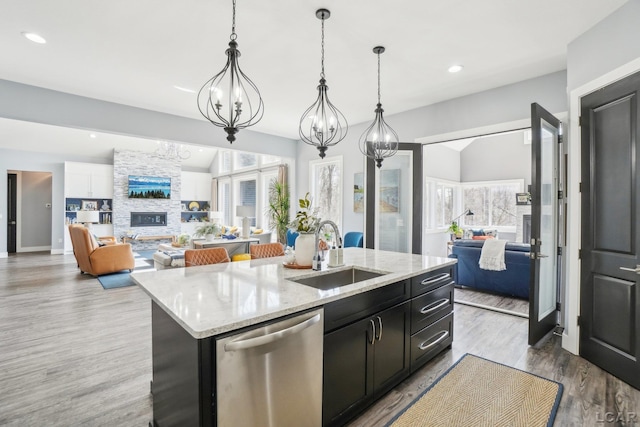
x: 230, y: 99
x: 322, y: 125
x: 379, y: 140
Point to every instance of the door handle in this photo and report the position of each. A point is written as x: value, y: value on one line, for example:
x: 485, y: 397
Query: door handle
x: 380, y: 323
x: 373, y: 332
x: 535, y: 255
x: 634, y: 270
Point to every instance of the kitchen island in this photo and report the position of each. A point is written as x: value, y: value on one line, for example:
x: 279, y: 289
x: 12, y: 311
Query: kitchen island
x: 194, y: 308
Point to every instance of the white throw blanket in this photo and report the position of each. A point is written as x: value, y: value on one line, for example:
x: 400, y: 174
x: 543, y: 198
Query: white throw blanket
x: 492, y: 255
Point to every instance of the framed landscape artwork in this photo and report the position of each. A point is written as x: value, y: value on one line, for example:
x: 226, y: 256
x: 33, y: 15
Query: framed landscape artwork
x: 389, y: 191
x: 358, y: 192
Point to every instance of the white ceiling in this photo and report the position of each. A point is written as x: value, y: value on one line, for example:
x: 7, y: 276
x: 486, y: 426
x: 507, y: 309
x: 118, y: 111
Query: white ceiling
x: 134, y: 52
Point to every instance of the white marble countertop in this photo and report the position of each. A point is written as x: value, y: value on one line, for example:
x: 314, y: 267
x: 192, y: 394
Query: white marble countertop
x: 213, y: 299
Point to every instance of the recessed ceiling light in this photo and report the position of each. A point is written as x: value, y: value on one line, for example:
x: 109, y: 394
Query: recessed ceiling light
x: 92, y: 135
x: 36, y: 38
x: 184, y: 89
x: 455, y: 68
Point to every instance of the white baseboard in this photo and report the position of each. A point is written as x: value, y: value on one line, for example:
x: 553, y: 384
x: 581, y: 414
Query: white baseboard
x: 4, y: 254
x: 57, y: 251
x: 34, y: 249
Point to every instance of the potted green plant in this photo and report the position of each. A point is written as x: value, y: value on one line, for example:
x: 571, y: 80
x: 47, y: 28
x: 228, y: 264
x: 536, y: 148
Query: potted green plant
x: 305, y: 223
x: 207, y: 230
x: 306, y: 220
x: 455, y: 230
x: 278, y: 210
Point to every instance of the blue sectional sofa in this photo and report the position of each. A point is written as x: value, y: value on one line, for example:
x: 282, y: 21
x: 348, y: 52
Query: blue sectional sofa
x: 513, y: 281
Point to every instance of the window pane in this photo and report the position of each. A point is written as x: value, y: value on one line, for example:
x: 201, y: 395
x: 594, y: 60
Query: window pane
x: 224, y: 201
x: 503, y: 208
x: 477, y: 199
x: 245, y: 160
x: 327, y: 191
x: 266, y: 159
x: 225, y: 162
x: 247, y: 196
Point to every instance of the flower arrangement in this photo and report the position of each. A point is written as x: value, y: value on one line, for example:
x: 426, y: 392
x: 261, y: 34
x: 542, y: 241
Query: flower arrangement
x: 306, y: 220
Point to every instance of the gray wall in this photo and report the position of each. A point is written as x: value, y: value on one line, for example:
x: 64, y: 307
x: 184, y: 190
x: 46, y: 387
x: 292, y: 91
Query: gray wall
x: 35, y: 104
x: 441, y: 162
x: 496, y: 157
x: 35, y: 224
x: 491, y: 107
x: 607, y: 45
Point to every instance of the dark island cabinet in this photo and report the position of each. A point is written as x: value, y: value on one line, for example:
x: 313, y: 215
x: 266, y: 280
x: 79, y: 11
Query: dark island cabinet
x: 364, y: 360
x: 374, y: 340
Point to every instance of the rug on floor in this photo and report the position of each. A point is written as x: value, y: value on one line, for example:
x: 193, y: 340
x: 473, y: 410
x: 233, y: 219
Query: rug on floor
x: 144, y: 261
x: 479, y: 392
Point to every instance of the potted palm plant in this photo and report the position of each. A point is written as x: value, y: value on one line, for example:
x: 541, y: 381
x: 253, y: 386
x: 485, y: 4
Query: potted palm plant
x: 278, y: 210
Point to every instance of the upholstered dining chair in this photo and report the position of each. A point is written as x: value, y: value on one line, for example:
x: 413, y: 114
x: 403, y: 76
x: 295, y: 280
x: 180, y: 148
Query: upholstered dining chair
x: 266, y: 250
x: 193, y: 257
x: 353, y: 239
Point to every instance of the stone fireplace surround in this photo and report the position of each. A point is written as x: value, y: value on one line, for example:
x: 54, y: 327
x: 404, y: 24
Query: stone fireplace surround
x: 127, y: 163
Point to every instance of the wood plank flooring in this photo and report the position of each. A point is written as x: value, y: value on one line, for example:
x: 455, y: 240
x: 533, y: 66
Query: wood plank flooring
x: 74, y: 354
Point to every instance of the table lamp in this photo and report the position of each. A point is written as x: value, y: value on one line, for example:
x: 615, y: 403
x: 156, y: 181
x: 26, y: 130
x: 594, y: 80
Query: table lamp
x: 246, y: 212
x: 87, y: 218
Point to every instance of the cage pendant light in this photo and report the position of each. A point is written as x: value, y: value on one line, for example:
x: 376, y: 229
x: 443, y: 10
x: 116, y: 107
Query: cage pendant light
x: 322, y: 124
x: 379, y: 140
x: 230, y: 99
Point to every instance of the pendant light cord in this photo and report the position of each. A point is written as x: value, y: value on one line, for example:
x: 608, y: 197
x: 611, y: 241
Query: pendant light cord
x: 233, y: 23
x: 321, y: 50
x: 378, y: 77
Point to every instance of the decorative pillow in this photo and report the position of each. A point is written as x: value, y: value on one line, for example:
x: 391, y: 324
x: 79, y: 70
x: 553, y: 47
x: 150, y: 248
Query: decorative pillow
x: 257, y: 231
x: 478, y: 232
x: 492, y: 232
x: 482, y: 237
x: 96, y: 241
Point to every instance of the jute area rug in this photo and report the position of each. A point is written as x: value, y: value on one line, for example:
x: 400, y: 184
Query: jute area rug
x: 479, y: 392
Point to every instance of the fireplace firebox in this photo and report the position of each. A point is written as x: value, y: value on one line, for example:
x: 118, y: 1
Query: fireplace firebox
x: 148, y: 219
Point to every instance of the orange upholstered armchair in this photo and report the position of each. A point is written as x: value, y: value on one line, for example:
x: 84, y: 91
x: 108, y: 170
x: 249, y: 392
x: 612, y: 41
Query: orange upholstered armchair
x: 266, y: 250
x: 205, y: 256
x: 95, y: 259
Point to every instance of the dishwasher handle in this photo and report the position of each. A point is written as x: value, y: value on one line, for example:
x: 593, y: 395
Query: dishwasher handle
x: 272, y: 337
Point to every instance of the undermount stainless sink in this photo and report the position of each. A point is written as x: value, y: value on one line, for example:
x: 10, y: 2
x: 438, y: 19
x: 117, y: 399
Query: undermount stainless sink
x: 338, y: 278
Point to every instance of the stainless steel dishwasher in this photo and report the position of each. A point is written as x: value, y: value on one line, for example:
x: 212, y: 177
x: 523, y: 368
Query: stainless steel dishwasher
x: 272, y: 375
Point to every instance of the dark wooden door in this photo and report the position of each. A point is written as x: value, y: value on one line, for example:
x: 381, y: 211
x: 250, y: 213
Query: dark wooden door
x: 391, y: 357
x: 348, y: 375
x: 609, y: 300
x: 543, y: 289
x: 12, y: 212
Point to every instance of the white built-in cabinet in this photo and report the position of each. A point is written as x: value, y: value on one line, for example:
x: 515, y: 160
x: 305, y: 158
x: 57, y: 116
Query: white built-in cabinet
x: 195, y: 186
x: 91, y: 182
x: 88, y: 180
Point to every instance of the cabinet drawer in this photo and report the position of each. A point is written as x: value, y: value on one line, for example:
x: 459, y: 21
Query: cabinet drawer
x: 431, y: 280
x: 430, y: 341
x: 345, y: 311
x: 431, y: 306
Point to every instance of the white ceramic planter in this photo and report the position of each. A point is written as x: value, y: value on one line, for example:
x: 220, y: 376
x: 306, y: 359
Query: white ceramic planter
x: 304, y: 248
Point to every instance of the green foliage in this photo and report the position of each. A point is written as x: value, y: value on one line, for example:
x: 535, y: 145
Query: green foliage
x: 306, y: 220
x: 278, y: 210
x: 207, y: 228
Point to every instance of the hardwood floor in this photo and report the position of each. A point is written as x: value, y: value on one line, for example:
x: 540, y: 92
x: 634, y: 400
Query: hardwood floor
x: 74, y: 354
